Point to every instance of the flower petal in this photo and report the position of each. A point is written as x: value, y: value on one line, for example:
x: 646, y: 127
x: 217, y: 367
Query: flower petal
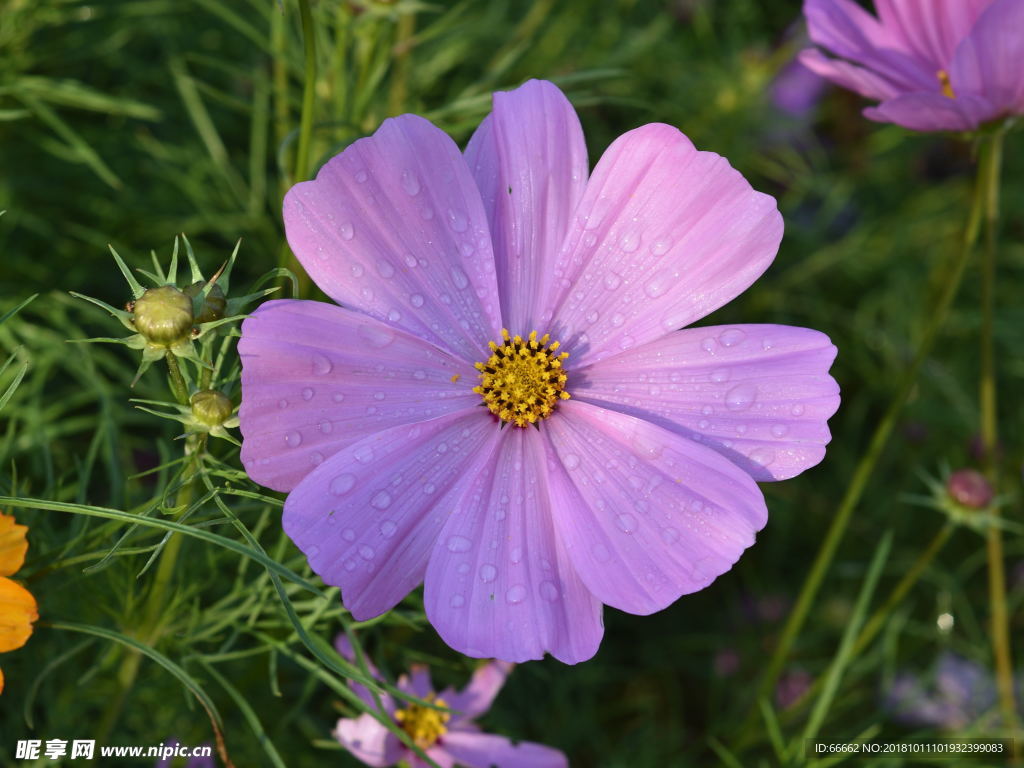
x: 476, y: 698
x: 368, y: 517
x: 369, y: 741
x: 665, y: 234
x: 760, y: 395
x: 858, y: 79
x: 934, y: 112
x: 930, y: 30
x: 416, y: 682
x: 13, y: 545
x: 529, y: 160
x: 394, y: 227
x: 500, y: 583
x: 17, y: 612
x: 646, y: 515
x: 989, y: 60
x: 485, y: 750
x: 317, y: 378
x: 344, y: 648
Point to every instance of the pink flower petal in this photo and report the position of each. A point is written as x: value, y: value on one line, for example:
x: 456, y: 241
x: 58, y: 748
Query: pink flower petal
x: 369, y: 741
x: 665, y: 234
x: 934, y: 112
x: 436, y: 753
x: 930, y: 30
x: 645, y: 514
x: 758, y: 394
x: 476, y: 698
x: 317, y: 378
x: 345, y: 650
x: 858, y: 79
x: 368, y: 517
x: 499, y: 583
x: 485, y: 750
x: 394, y: 227
x: 990, y: 60
x: 417, y: 682
x: 530, y: 162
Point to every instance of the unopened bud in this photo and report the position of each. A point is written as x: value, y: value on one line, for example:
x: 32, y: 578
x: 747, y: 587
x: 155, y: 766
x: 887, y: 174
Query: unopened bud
x: 163, y: 315
x: 969, y: 488
x: 213, y: 305
x: 211, y: 407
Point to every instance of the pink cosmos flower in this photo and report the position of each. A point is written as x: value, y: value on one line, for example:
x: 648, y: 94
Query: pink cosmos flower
x: 422, y: 443
x: 935, y: 65
x: 448, y: 738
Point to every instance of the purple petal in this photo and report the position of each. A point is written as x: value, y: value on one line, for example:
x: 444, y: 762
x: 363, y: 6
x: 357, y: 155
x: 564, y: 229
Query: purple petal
x: 846, y: 75
x: 435, y: 753
x: 476, y: 698
x: 317, y: 378
x: 933, y: 112
x: 394, y: 227
x: 530, y: 162
x: 485, y: 750
x: 646, y: 515
x: 499, y: 583
x: 760, y: 395
x: 344, y: 648
x: 930, y: 30
x: 847, y: 30
x: 367, y: 518
x: 417, y: 682
x: 664, y: 235
x: 369, y: 741
x: 990, y: 59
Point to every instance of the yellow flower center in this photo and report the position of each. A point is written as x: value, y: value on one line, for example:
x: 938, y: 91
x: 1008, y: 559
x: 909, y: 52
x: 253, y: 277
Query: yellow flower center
x: 522, y: 381
x: 947, y: 89
x: 424, y: 724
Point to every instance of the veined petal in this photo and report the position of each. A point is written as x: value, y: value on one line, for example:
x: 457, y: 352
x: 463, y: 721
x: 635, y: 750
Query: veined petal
x: 861, y: 80
x: 664, y: 235
x: 930, y: 30
x: 344, y: 649
x: 394, y: 227
x: 317, y: 378
x: 478, y: 695
x: 990, y: 60
x: 17, y: 612
x: 486, y: 750
x: 500, y: 583
x: 368, y: 517
x: 13, y: 545
x: 369, y: 741
x: 760, y: 395
x: 529, y: 160
x: 934, y: 112
x: 646, y: 515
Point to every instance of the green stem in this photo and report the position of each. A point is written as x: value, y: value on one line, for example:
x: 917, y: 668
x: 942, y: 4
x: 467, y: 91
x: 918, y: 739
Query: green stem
x: 991, y: 160
x: 308, y: 92
x: 176, y: 380
x: 862, y: 474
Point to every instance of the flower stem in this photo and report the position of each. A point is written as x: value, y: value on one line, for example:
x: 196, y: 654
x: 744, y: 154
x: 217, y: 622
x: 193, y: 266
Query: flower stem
x: 308, y: 92
x: 991, y: 160
x: 936, y: 317
x: 175, y: 379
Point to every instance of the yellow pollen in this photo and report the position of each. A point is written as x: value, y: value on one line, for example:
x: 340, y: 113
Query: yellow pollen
x: 947, y: 89
x: 523, y: 380
x: 424, y: 724
x: 456, y: 377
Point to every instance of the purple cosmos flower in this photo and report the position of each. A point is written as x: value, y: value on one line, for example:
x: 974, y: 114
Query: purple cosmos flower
x: 422, y: 442
x: 448, y: 738
x: 935, y: 65
x: 961, y: 694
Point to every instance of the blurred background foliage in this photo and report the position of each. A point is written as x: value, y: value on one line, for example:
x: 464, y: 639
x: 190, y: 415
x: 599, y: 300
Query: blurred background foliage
x: 130, y: 121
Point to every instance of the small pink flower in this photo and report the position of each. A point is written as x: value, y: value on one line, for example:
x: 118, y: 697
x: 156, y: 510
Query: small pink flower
x: 935, y: 65
x: 448, y: 738
x: 593, y: 455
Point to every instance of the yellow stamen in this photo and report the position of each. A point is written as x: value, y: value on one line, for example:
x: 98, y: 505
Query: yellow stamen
x: 424, y: 725
x: 456, y: 377
x: 522, y: 381
x: 947, y: 89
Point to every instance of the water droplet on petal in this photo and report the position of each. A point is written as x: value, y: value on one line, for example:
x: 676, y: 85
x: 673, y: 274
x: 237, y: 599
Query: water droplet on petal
x: 459, y: 278
x: 388, y: 528
x: 516, y: 555
x: 762, y: 456
x: 457, y: 220
x: 708, y: 345
x: 660, y: 247
x: 376, y: 336
x: 361, y: 177
x: 571, y: 461
x: 321, y: 364
x: 348, y: 534
x: 342, y: 484
x: 316, y: 458
x: 658, y: 285
x: 457, y: 601
x: 731, y: 337
x: 548, y: 591
x: 366, y: 552
x: 516, y: 594
x: 779, y: 430
x: 282, y: 404
x: 419, y: 375
x: 416, y: 300
x: 630, y: 242
x: 797, y: 410
x: 626, y: 522
x: 617, y: 320
x: 612, y: 281
x: 292, y: 439
x: 338, y: 397
x: 364, y: 454
x: 488, y: 573
x: 410, y: 183
x: 385, y: 268
x: 381, y: 500
x: 347, y: 231
x: 458, y: 544
x: 669, y: 535
x: 741, y: 397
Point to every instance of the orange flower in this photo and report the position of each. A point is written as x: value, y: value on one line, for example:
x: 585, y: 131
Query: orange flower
x: 17, y: 606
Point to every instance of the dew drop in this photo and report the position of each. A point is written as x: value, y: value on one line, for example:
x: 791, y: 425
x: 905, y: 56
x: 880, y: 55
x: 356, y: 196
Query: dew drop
x: 457, y: 220
x: 342, y: 484
x: 703, y: 424
x: 338, y: 397
x: 292, y: 439
x: 366, y: 552
x: 321, y: 365
x: 350, y: 565
x: 410, y: 183
x: 364, y: 455
x: 589, y: 239
x: 463, y: 568
x: 612, y: 281
x: 731, y: 337
x: 741, y: 397
x: 516, y: 594
x: 797, y: 410
x: 325, y: 427
x: 348, y: 534
x: 419, y: 375
x: 376, y: 336
x: 316, y: 458
x: 660, y: 247
x: 593, y: 317
x: 381, y: 500
x: 457, y: 601
x: 459, y: 278
x: 707, y: 410
x: 488, y: 573
x: 426, y: 212
x: 571, y: 461
x: 458, y: 544
x: 347, y: 231
x: 779, y: 430
x: 282, y: 404
x: 379, y: 396
x: 416, y: 300
x: 669, y: 535
x: 626, y: 522
x: 516, y: 555
x: 630, y: 242
x: 708, y: 345
x: 762, y: 456
x: 388, y: 528
x: 548, y: 591
x: 361, y: 177
x: 384, y: 268
x: 657, y: 285
x: 394, y: 315
x: 429, y: 488
x: 719, y: 375
x: 617, y: 320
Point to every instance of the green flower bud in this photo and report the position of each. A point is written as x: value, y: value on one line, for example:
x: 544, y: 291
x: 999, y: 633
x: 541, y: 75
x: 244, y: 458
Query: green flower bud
x: 211, y: 407
x: 214, y: 305
x: 163, y: 316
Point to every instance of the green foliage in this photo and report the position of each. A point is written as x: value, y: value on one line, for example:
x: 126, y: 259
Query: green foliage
x: 132, y: 121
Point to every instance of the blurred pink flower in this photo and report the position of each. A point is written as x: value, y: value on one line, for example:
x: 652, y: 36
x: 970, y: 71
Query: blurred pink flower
x: 448, y: 738
x: 935, y: 65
